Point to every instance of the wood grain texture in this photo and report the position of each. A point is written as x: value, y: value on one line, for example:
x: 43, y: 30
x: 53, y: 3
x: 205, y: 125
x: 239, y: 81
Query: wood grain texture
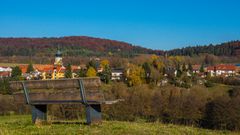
x: 55, y: 84
x: 58, y: 90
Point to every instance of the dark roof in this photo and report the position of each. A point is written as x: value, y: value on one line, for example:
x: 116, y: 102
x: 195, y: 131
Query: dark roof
x: 58, y: 54
x: 117, y: 69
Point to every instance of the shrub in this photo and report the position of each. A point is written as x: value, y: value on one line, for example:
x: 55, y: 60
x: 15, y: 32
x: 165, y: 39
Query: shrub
x: 209, y: 84
x: 223, y: 113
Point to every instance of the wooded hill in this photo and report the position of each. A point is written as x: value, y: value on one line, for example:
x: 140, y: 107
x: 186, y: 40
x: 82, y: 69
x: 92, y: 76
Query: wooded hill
x: 71, y: 46
x: 224, y: 49
x: 89, y: 46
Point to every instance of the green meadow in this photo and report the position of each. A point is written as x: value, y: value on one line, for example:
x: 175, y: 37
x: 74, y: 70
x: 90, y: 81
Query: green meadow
x: 21, y: 125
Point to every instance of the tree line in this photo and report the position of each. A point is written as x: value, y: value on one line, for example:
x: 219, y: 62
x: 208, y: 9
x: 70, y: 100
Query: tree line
x: 224, y: 49
x: 195, y: 107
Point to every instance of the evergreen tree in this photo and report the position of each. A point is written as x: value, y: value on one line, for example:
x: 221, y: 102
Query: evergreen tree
x: 202, y: 68
x: 30, y: 68
x: 106, y: 74
x: 184, y: 69
x: 147, y: 68
x: 68, y: 71
x: 190, y: 68
x: 92, y: 64
x: 179, y: 72
x: 16, y: 73
x: 82, y: 73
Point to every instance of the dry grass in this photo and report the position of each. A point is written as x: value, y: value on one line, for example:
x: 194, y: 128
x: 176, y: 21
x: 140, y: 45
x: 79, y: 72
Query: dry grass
x: 10, y: 64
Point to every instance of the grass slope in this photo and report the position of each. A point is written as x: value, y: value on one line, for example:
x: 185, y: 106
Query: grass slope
x: 21, y: 125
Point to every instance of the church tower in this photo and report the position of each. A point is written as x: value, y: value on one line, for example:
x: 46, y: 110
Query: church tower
x: 58, y: 59
x: 58, y: 66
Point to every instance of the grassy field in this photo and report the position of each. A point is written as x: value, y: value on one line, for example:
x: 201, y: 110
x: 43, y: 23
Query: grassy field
x: 9, y: 64
x: 21, y: 125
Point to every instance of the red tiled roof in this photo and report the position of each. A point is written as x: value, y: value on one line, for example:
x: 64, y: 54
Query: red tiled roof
x: 43, y: 68
x: 75, y: 68
x: 47, y: 68
x: 4, y: 74
x: 23, y: 68
x: 222, y: 67
x: 196, y: 67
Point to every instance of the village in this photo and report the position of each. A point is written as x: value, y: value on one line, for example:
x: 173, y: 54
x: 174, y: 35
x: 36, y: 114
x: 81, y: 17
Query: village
x: 57, y: 70
x: 120, y: 67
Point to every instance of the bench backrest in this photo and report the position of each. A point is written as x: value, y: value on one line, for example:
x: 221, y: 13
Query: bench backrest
x: 58, y: 90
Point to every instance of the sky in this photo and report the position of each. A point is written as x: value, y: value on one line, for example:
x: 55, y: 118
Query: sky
x: 155, y: 24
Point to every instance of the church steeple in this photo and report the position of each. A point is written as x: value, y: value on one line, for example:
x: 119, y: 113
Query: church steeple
x: 58, y: 58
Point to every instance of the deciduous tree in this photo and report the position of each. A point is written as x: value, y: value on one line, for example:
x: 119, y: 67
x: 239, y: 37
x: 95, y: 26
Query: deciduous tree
x: 91, y: 72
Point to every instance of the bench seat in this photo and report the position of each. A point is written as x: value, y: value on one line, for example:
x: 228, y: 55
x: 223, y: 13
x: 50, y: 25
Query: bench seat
x: 40, y: 93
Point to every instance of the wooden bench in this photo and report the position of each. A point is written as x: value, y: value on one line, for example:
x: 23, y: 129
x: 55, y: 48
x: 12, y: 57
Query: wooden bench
x: 40, y: 93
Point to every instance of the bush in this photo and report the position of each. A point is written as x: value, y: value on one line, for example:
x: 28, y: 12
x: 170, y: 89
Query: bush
x: 226, y: 80
x: 223, y: 113
x: 209, y: 84
x: 167, y: 104
x: 4, y: 86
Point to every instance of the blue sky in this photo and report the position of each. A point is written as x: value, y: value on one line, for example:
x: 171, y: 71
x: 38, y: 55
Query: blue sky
x: 156, y: 24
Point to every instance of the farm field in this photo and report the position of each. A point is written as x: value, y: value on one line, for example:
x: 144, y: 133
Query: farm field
x: 21, y: 125
x: 9, y: 64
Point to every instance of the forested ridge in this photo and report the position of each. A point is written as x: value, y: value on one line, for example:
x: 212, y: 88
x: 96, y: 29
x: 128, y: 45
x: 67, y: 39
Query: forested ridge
x: 225, y: 49
x: 89, y: 46
x: 72, y: 46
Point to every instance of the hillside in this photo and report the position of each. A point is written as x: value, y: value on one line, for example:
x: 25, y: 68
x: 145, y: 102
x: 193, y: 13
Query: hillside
x: 72, y: 46
x: 21, y: 125
x: 89, y: 46
x: 224, y: 49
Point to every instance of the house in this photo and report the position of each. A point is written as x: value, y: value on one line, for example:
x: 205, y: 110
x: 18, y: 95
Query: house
x: 23, y: 68
x: 238, y: 69
x: 5, y: 74
x: 117, y: 74
x: 222, y: 70
x: 5, y: 69
x: 75, y: 71
x: 196, y: 69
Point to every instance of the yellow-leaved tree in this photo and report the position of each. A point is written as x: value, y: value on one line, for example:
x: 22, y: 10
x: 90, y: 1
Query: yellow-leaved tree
x: 154, y: 57
x: 176, y: 60
x: 91, y: 72
x: 104, y: 63
x: 135, y: 75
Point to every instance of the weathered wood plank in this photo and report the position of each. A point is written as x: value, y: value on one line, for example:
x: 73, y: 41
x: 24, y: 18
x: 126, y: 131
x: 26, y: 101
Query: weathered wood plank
x: 45, y: 102
x: 89, y: 83
x: 63, y: 95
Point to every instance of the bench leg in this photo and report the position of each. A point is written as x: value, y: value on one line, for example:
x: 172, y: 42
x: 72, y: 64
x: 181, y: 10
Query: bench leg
x: 39, y: 112
x: 93, y: 113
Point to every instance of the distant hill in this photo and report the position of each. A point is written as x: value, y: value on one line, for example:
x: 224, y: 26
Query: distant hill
x: 89, y: 46
x: 224, y: 49
x: 71, y: 46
